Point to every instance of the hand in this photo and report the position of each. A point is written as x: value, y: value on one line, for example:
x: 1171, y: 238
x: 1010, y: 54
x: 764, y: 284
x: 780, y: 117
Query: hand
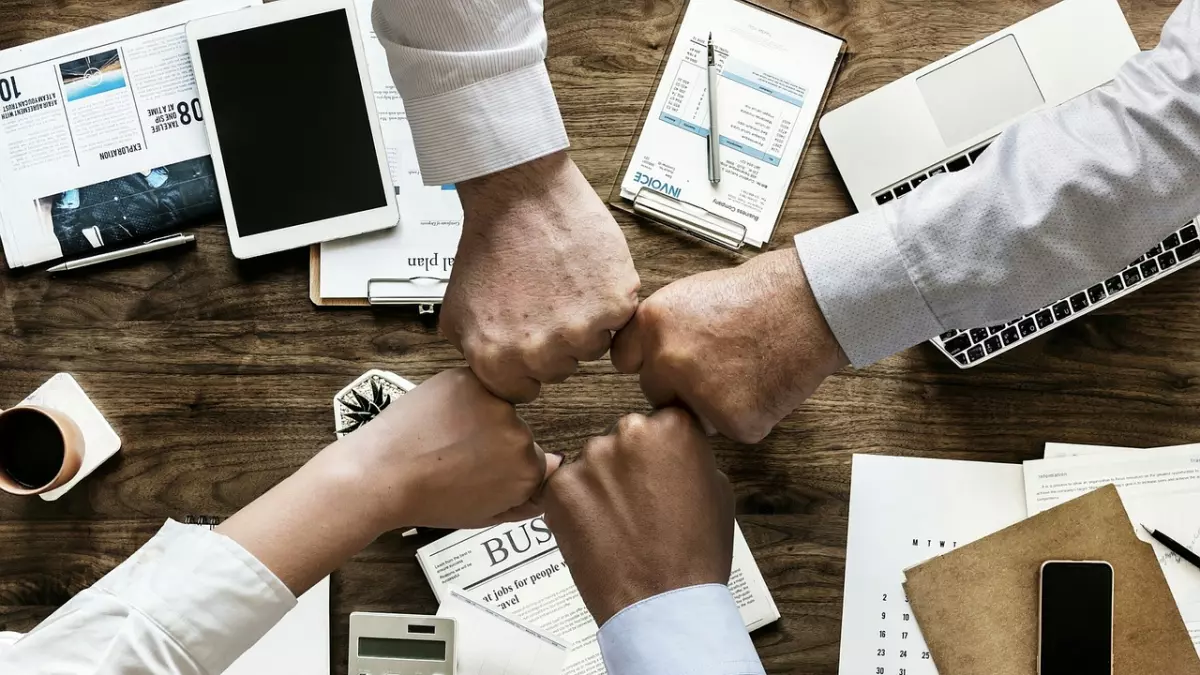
x: 450, y: 455
x: 542, y: 277
x: 644, y: 511
x: 742, y: 348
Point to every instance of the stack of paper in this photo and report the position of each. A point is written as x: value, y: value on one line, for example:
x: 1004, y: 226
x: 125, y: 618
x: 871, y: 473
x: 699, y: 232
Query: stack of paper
x: 905, y: 510
x: 1160, y: 488
x: 491, y: 642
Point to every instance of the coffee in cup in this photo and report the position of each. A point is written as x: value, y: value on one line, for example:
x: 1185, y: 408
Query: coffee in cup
x: 40, y: 449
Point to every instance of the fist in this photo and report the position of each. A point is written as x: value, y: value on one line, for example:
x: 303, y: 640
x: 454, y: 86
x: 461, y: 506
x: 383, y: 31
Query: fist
x: 742, y: 348
x: 644, y: 511
x: 542, y: 277
x: 451, y: 455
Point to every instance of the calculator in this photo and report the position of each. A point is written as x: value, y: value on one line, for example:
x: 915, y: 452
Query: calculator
x: 401, y: 644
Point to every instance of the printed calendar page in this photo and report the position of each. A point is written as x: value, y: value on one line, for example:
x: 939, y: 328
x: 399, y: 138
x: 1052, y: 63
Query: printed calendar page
x: 904, y: 511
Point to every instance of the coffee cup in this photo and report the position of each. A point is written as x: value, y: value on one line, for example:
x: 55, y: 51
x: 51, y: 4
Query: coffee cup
x: 41, y: 449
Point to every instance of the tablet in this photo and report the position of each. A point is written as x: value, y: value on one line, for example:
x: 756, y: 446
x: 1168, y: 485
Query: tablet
x: 291, y: 120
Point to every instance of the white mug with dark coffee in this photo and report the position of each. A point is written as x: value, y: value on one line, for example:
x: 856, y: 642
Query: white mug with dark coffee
x: 40, y: 449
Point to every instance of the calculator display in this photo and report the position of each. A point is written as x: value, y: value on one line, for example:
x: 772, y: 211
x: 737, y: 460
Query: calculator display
x: 398, y: 648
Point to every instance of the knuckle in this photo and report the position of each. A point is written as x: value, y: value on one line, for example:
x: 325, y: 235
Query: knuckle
x: 597, y: 448
x: 632, y: 425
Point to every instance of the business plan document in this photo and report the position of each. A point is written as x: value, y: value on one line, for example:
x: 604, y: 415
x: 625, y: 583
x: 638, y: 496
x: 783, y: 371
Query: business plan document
x: 773, y: 77
x: 904, y: 511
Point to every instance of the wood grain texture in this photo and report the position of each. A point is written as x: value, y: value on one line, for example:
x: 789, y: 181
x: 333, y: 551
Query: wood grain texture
x: 218, y: 374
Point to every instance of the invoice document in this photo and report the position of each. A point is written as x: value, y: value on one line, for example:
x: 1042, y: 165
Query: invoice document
x: 773, y: 76
x: 903, y: 511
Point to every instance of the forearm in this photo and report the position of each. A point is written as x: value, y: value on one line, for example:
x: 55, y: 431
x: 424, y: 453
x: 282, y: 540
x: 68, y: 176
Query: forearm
x: 1061, y: 199
x: 314, y: 521
x: 474, y: 83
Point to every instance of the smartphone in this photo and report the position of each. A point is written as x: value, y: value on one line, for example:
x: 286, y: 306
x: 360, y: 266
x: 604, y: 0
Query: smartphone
x: 1076, y: 618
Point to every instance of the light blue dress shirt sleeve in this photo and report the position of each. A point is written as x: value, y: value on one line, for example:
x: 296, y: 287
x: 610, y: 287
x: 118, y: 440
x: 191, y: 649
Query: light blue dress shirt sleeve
x: 690, y: 631
x: 1062, y: 199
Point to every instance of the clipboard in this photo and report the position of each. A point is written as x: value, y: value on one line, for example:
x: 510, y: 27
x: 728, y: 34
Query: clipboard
x: 380, y: 292
x: 690, y: 219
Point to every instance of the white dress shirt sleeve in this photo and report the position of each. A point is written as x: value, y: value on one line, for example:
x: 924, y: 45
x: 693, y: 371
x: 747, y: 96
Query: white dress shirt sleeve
x: 1061, y: 200
x: 473, y: 77
x: 691, y: 631
x: 189, y: 602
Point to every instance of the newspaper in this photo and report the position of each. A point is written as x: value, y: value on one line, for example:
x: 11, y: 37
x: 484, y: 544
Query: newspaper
x: 102, y: 138
x: 517, y: 568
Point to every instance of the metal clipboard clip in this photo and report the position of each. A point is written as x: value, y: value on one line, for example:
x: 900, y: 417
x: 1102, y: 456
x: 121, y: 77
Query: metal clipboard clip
x: 428, y: 287
x: 694, y: 220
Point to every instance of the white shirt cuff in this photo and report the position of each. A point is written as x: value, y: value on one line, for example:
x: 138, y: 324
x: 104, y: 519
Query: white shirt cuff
x: 684, y: 632
x: 487, y: 126
x: 207, y: 592
x: 860, y: 281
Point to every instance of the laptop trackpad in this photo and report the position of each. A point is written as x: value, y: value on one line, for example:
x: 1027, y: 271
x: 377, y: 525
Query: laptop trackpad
x: 985, y: 88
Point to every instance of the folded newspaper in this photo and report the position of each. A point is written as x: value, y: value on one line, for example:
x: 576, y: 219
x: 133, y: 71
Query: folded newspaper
x: 517, y: 568
x: 102, y: 138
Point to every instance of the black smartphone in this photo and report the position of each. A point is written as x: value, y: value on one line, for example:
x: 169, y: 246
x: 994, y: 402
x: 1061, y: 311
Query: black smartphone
x: 1076, y: 618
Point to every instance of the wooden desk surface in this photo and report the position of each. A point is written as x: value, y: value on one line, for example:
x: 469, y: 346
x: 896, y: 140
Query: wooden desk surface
x: 218, y: 375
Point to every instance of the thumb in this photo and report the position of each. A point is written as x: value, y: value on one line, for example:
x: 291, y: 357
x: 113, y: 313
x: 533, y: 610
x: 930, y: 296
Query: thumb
x: 626, y: 350
x: 532, y: 507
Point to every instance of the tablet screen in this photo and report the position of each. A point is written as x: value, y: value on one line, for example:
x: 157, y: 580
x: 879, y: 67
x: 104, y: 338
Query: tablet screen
x: 293, y: 127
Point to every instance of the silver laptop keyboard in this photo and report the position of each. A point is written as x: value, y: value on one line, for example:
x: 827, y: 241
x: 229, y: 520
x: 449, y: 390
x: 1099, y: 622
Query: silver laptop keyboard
x: 971, y: 347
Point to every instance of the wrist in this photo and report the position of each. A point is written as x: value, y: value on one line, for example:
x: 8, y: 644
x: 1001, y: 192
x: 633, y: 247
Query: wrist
x: 372, y: 489
x: 787, y: 272
x: 537, y: 180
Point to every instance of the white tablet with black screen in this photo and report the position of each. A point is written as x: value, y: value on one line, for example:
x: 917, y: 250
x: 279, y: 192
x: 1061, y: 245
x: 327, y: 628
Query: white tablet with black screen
x: 291, y: 118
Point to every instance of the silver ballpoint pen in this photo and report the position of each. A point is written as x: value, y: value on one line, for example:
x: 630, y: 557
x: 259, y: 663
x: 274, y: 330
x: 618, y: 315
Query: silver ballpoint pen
x: 152, y: 245
x: 714, y: 134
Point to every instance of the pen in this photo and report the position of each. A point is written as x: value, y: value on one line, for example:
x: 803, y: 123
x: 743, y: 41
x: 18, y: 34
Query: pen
x: 152, y: 245
x: 714, y: 134
x: 1176, y: 547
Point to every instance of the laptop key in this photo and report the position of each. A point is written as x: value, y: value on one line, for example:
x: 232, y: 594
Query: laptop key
x: 995, y: 329
x: 961, y: 358
x: 992, y: 344
x: 1096, y: 293
x: 978, y: 334
x: 1114, y: 284
x: 1131, y: 276
x: 1044, y: 318
x: 974, y: 154
x: 1188, y: 249
x: 1149, y: 268
x: 937, y: 170
x: 1062, y: 310
x: 1171, y: 241
x: 1188, y: 233
x: 902, y: 189
x: 958, y: 163
x: 1154, y: 251
x: 1167, y: 260
x: 975, y: 353
x: 1010, y: 336
x: 917, y: 180
x: 1027, y: 327
x: 958, y: 344
x: 1079, y: 301
x: 883, y: 197
x: 948, y: 334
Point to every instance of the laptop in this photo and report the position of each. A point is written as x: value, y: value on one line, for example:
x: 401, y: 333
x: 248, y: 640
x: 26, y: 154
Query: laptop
x: 941, y: 118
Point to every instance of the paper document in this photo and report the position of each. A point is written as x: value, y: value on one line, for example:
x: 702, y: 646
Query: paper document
x: 1160, y: 488
x: 492, y: 642
x: 102, y: 137
x: 297, y: 645
x: 517, y: 568
x: 773, y: 76
x: 416, y: 257
x: 903, y: 511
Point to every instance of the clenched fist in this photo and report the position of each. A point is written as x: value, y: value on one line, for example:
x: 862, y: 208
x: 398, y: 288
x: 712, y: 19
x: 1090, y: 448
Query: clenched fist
x: 742, y: 348
x: 542, y: 277
x: 643, y: 511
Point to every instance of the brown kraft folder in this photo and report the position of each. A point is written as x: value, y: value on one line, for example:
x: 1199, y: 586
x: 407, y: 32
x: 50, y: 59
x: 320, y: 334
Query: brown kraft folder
x: 977, y: 606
